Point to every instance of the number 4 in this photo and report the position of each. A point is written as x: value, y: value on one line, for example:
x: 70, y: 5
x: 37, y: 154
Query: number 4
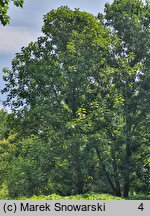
x: 141, y: 207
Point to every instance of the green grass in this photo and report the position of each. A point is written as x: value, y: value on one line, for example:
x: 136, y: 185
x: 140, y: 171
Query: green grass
x: 89, y: 196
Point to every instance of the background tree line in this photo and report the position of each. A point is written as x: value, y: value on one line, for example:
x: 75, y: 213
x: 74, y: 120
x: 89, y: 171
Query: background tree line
x: 80, y: 102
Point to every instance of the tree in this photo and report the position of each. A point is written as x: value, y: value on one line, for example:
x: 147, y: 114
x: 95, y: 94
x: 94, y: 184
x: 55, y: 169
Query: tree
x: 81, y: 88
x: 130, y: 21
x: 26, y: 166
x: 51, y: 80
x: 4, y: 6
x: 121, y: 116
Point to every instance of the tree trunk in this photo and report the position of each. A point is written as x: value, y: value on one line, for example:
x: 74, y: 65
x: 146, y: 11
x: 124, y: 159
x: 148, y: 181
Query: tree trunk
x: 115, y: 170
x: 126, y: 188
x: 79, y: 180
x: 117, y: 183
x: 114, y: 189
x: 127, y: 170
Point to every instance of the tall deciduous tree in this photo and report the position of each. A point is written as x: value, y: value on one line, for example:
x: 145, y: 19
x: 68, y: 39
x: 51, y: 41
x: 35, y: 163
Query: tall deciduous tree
x: 52, y: 78
x: 82, y: 87
x: 130, y: 21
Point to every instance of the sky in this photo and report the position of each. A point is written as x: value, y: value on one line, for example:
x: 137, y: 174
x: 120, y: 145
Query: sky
x: 26, y: 26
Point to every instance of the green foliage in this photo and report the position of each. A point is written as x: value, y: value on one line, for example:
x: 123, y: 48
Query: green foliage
x: 139, y: 197
x: 133, y: 69
x: 3, y: 124
x: 46, y: 101
x: 4, y: 6
x: 89, y: 196
x: 3, y: 192
x: 28, y: 171
x: 80, y: 105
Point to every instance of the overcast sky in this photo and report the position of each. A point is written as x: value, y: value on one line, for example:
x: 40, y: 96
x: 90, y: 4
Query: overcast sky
x: 26, y: 25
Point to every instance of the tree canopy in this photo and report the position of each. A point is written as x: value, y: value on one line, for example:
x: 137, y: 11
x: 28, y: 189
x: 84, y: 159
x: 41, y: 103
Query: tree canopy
x: 80, y: 95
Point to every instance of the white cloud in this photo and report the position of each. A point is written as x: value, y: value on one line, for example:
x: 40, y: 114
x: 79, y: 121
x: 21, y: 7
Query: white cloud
x: 13, y: 38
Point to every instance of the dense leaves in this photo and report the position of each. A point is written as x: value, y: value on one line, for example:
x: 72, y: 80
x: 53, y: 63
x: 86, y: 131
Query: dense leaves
x: 80, y: 104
